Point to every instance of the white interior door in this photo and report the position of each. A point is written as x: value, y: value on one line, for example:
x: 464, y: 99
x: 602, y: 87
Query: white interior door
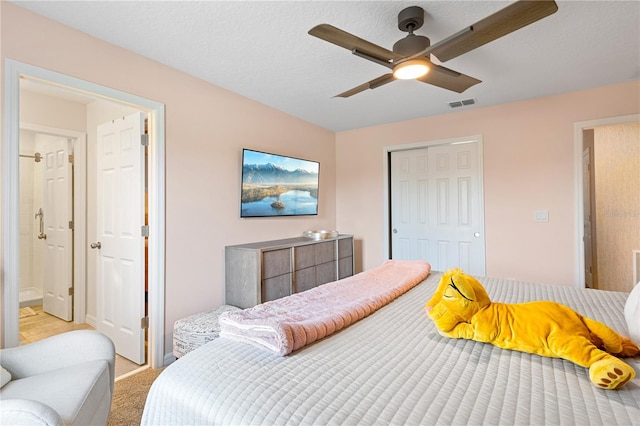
x: 409, y: 204
x: 436, y: 207
x: 56, y: 216
x: 119, y: 244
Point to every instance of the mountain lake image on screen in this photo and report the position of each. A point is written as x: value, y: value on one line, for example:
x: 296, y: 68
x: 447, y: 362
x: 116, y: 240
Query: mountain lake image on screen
x: 278, y: 185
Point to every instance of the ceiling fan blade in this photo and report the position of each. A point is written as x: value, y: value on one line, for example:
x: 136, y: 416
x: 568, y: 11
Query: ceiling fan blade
x: 448, y: 79
x: 353, y: 43
x: 373, y: 84
x: 513, y: 17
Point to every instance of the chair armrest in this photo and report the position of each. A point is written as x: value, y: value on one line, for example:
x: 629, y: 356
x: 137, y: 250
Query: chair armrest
x: 59, y: 351
x: 26, y: 412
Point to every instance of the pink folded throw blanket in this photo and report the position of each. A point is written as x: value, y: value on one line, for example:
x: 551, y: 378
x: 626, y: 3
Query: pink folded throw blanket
x: 288, y: 324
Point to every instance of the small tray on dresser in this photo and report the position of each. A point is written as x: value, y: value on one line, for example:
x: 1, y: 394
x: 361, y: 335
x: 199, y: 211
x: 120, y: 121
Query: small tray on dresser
x: 320, y: 234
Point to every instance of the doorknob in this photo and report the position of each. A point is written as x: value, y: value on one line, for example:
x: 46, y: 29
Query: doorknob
x: 96, y: 245
x: 395, y: 231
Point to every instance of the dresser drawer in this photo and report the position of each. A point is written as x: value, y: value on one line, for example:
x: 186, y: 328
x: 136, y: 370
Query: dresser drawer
x: 276, y: 287
x: 276, y: 262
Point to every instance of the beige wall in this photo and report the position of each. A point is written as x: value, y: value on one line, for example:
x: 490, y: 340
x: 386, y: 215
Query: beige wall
x: 206, y: 128
x: 617, y: 196
x: 528, y: 166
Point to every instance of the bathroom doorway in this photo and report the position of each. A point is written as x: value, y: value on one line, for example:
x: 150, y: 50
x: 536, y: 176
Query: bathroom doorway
x: 48, y: 206
x: 48, y: 253
x: 15, y: 72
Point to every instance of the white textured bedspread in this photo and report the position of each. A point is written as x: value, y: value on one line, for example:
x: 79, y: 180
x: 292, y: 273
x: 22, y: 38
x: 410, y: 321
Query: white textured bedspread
x: 393, y: 368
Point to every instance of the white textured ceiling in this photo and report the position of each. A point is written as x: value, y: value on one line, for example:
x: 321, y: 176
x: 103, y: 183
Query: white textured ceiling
x: 261, y: 50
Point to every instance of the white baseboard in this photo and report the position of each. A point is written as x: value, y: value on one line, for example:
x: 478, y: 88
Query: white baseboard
x: 168, y: 359
x: 91, y: 320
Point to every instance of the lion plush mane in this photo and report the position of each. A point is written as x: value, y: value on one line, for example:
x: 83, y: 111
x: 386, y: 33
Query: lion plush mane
x: 461, y: 309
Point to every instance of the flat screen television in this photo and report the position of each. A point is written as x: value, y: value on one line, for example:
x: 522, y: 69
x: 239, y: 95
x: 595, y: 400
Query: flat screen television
x: 278, y: 185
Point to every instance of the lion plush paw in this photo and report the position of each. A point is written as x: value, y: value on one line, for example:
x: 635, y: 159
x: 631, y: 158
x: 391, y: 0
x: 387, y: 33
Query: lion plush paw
x: 611, y: 373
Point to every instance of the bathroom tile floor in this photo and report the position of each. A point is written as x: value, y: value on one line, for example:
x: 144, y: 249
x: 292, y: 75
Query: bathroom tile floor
x: 42, y: 325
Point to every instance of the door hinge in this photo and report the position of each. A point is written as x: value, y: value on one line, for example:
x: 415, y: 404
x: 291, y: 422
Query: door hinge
x: 144, y: 323
x: 144, y: 140
x: 71, y: 224
x: 145, y: 230
x: 70, y: 291
x: 71, y: 158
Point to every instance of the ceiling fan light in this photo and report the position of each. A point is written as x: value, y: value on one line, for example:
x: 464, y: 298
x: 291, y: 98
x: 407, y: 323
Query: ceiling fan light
x: 409, y: 70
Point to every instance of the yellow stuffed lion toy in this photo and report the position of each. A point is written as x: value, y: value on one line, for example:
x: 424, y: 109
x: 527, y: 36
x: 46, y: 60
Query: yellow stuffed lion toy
x: 461, y: 309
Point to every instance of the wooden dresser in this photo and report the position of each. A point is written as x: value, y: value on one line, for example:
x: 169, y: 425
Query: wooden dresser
x: 268, y: 270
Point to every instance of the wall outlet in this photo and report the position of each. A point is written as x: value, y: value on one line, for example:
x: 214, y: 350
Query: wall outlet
x: 541, y: 216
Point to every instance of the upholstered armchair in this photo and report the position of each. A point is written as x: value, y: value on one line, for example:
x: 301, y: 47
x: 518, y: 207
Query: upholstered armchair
x: 66, y: 379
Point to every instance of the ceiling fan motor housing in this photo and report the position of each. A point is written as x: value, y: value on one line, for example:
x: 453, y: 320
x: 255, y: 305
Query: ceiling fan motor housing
x: 411, y: 44
x: 410, y: 19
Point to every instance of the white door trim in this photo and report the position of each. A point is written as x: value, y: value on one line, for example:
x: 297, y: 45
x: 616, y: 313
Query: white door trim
x: 578, y: 142
x: 10, y: 197
x: 386, y: 244
x: 79, y: 211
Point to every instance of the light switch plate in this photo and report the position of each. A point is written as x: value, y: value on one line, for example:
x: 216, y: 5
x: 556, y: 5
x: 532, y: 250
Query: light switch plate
x: 541, y: 216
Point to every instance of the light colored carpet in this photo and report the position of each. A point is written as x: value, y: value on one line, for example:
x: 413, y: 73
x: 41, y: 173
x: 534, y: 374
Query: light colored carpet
x: 129, y: 396
x: 26, y: 312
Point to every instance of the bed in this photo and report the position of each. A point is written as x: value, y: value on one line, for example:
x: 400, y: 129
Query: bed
x: 393, y: 368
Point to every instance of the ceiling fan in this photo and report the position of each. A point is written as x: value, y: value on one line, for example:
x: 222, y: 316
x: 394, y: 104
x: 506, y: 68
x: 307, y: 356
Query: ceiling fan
x: 411, y: 56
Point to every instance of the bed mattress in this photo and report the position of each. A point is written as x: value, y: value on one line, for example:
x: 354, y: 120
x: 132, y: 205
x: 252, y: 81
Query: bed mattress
x: 393, y: 368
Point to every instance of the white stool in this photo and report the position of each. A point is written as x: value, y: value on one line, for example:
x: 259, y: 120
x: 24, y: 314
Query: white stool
x: 194, y: 331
